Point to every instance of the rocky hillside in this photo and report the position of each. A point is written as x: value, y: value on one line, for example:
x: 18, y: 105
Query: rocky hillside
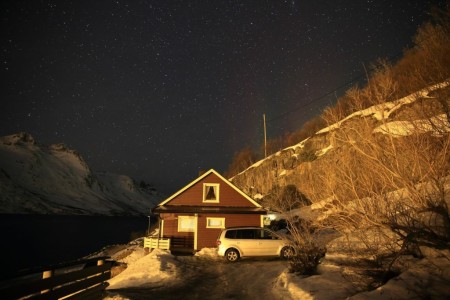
x: 299, y: 164
x: 57, y: 180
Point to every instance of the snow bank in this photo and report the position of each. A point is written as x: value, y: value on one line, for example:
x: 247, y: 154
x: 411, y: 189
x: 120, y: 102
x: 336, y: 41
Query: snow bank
x: 329, y: 284
x: 135, y: 255
x: 427, y: 279
x: 210, y: 253
x: 437, y: 124
x: 147, y: 271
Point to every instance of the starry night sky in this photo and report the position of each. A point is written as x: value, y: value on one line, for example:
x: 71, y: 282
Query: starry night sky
x: 159, y: 90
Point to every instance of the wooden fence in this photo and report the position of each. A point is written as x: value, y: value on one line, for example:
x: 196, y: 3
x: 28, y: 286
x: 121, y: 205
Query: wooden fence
x: 82, y: 279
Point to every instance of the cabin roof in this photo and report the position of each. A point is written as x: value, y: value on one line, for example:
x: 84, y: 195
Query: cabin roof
x: 256, y: 204
x: 209, y: 209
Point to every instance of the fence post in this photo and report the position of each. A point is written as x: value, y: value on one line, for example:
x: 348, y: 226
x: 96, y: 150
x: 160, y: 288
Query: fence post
x: 46, y: 274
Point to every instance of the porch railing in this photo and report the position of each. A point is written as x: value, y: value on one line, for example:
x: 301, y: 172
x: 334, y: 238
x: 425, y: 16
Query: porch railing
x: 155, y: 243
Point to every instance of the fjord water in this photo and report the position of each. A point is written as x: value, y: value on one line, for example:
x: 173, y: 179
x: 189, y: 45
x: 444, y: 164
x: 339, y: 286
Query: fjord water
x: 29, y: 241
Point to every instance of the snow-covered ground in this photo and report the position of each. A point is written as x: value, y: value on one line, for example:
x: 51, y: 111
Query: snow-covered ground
x: 206, y: 276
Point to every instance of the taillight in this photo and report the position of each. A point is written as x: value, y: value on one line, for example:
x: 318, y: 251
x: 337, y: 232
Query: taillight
x: 218, y: 243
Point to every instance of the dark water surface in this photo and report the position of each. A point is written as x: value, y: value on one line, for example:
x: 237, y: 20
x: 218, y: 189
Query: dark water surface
x: 38, y: 240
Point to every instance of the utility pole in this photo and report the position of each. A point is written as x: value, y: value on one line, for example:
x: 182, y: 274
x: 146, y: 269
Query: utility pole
x: 265, y: 136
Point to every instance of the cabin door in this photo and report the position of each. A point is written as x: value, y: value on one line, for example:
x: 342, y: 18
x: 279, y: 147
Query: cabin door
x: 187, y: 229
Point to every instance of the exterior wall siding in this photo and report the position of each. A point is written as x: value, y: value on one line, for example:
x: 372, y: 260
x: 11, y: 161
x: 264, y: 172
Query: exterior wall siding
x: 206, y: 237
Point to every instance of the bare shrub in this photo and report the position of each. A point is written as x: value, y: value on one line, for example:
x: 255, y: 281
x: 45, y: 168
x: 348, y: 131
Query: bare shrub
x: 306, y: 259
x: 308, y: 252
x: 308, y: 129
x: 241, y: 161
x: 388, y: 180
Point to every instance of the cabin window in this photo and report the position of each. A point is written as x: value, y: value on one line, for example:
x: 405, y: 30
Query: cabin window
x: 186, y: 224
x: 211, y: 192
x: 215, y: 222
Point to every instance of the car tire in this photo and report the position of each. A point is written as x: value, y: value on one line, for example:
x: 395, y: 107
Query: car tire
x: 232, y: 255
x: 287, y: 252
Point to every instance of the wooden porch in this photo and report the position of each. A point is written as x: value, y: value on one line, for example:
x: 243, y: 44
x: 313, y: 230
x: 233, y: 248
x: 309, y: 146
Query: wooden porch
x: 184, y: 244
x: 157, y: 243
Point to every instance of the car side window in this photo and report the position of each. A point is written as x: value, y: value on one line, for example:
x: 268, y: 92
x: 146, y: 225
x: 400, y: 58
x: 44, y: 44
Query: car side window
x: 246, y: 234
x: 230, y: 234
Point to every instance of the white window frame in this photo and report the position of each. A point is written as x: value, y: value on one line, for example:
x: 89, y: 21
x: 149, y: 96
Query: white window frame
x: 222, y: 221
x: 184, y: 229
x: 216, y: 187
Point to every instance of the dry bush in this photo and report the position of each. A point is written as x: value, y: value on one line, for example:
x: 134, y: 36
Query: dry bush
x: 308, y: 129
x: 241, y: 161
x: 340, y: 110
x: 308, y: 252
x: 383, y: 180
x: 429, y: 61
x: 273, y: 146
x: 285, y: 199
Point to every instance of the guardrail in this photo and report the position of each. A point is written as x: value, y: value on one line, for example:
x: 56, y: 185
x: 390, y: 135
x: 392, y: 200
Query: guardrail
x: 155, y: 243
x: 82, y: 279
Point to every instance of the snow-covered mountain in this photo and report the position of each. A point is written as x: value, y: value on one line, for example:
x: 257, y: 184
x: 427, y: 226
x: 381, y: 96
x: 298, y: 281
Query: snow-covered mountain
x: 57, y: 180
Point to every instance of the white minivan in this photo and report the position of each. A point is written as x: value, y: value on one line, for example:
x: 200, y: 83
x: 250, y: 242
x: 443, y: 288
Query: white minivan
x: 237, y: 242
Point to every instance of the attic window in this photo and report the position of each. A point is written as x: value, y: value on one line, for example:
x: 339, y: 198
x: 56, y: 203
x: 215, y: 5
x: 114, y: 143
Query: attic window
x: 211, y: 192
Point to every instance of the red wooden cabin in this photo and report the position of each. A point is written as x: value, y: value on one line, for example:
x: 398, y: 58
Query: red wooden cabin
x: 194, y: 216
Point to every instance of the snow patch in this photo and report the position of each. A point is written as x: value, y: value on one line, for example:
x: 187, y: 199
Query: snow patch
x: 384, y: 110
x: 258, y: 196
x: 210, y: 253
x: 329, y: 284
x: 438, y: 123
x: 148, y: 271
x: 324, y: 150
x: 426, y: 279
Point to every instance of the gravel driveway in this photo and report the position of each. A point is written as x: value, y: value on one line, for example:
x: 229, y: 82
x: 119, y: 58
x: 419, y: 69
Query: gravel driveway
x: 209, y: 278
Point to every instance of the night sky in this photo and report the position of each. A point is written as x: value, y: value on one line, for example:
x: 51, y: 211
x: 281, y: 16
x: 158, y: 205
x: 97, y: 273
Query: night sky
x: 159, y: 90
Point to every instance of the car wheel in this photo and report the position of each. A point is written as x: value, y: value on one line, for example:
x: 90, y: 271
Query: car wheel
x: 287, y: 252
x: 232, y: 255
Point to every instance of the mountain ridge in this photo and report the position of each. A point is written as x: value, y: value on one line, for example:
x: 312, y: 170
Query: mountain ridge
x: 54, y: 179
